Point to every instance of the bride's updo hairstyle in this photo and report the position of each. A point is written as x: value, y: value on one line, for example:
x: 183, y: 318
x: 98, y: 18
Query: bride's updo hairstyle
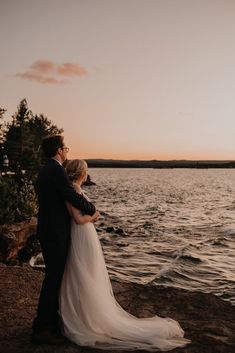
x: 76, y: 169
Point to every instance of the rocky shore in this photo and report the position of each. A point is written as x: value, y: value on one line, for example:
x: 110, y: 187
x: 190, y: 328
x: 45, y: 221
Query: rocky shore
x: 207, y: 320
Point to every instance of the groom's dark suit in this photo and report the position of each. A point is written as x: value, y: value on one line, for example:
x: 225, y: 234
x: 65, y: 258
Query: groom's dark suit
x: 53, y: 189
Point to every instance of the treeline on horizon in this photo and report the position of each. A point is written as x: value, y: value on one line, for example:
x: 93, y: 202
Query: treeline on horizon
x: 200, y: 164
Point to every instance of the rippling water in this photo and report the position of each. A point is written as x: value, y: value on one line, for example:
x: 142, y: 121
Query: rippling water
x: 179, y: 226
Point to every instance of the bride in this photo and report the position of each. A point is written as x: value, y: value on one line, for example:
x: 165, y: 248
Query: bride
x: 90, y: 314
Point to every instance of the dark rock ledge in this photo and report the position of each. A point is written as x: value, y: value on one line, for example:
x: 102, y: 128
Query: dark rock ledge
x: 18, y: 241
x: 207, y: 320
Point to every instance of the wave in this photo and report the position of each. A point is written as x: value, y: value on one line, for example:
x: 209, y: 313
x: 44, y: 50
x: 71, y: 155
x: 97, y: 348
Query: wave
x: 229, y: 231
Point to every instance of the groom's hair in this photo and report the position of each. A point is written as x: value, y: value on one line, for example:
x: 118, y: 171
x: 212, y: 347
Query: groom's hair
x: 51, y: 144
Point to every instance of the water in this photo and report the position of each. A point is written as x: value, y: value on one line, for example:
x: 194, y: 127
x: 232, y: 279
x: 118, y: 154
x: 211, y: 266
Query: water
x: 179, y: 226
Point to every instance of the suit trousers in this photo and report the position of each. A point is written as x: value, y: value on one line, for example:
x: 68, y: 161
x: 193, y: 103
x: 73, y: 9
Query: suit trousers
x: 55, y: 256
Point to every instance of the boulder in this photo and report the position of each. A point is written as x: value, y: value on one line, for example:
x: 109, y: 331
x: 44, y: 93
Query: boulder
x: 115, y: 230
x: 88, y: 182
x: 14, y: 237
x: 110, y: 229
x: 37, y: 261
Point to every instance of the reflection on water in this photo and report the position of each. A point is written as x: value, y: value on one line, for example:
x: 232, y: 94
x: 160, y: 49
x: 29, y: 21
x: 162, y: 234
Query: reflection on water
x: 179, y: 226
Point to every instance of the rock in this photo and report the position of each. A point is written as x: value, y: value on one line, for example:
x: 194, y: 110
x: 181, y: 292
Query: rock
x: 89, y: 182
x: 32, y: 247
x: 37, y: 261
x: 110, y: 229
x: 119, y: 231
x: 115, y: 230
x: 14, y: 237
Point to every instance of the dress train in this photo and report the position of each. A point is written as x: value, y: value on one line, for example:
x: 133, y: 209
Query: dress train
x: 90, y: 314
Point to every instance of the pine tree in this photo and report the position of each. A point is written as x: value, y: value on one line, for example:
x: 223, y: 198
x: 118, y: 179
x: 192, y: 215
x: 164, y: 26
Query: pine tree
x: 23, y: 139
x: 40, y: 127
x: 20, y: 140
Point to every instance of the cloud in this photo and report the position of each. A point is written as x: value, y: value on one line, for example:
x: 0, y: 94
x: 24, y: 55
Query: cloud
x: 39, y: 78
x: 48, y: 72
x: 69, y: 69
x: 43, y: 66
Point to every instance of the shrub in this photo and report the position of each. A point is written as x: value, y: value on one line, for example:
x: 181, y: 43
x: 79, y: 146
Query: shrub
x: 18, y: 199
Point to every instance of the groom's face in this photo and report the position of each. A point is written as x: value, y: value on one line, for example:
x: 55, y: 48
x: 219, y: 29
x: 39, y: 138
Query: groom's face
x: 64, y: 151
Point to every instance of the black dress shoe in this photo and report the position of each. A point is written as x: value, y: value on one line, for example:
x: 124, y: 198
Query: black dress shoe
x: 47, y: 337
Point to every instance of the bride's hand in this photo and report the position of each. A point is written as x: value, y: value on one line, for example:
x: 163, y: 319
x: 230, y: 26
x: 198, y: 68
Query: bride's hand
x: 95, y: 216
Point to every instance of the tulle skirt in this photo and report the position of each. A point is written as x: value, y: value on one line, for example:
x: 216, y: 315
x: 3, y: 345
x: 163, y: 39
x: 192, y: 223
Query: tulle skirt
x: 90, y: 314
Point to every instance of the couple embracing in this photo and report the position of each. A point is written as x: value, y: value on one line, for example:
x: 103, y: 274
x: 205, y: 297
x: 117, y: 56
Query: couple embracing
x: 76, y: 301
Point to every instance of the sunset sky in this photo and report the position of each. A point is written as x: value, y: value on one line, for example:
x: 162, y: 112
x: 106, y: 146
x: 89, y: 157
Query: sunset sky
x: 126, y: 79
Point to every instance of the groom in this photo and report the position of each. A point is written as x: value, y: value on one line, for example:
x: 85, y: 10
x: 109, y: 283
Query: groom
x: 53, y: 190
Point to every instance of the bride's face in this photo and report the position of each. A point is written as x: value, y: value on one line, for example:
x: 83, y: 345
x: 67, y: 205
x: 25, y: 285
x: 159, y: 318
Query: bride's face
x: 85, y: 174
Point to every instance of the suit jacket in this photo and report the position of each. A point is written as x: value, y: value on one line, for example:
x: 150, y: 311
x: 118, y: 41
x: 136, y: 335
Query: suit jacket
x: 53, y: 188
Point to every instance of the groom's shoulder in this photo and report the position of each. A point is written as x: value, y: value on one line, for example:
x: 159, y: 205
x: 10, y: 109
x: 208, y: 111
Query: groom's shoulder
x: 51, y: 167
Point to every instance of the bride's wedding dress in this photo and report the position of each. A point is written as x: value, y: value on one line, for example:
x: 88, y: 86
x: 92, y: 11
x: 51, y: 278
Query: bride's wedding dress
x: 90, y: 314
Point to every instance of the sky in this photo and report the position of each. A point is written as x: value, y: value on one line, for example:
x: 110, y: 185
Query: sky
x: 125, y: 79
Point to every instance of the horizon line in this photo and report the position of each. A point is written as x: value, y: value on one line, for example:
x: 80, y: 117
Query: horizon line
x: 161, y: 160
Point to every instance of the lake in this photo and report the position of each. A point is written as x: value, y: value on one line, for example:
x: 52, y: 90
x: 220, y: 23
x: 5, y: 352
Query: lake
x: 179, y: 226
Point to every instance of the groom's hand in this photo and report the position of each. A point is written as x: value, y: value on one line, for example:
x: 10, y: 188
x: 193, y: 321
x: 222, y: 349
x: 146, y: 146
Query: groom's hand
x: 95, y: 216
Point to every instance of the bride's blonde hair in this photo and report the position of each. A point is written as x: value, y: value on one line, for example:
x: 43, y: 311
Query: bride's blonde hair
x: 76, y: 168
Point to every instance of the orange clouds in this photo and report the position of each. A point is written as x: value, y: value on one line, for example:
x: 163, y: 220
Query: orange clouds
x: 48, y: 72
x: 69, y: 69
x: 43, y: 66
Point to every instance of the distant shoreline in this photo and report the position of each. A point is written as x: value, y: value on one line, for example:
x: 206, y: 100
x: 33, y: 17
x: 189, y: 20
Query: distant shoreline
x: 200, y: 164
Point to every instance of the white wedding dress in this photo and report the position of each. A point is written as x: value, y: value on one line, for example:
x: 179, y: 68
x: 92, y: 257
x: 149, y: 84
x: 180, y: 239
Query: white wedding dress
x: 90, y: 314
